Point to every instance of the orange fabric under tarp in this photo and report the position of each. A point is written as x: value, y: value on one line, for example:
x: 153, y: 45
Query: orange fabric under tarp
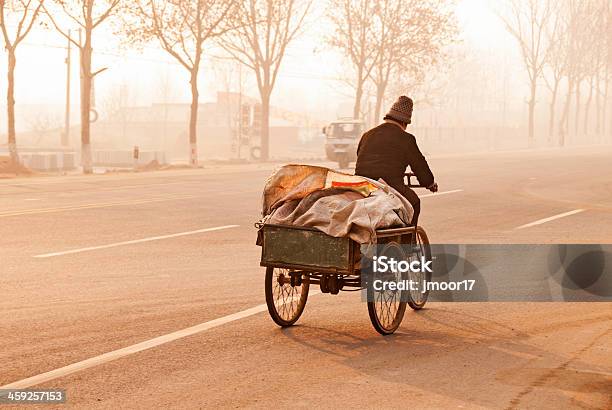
x: 355, y: 183
x: 296, y: 181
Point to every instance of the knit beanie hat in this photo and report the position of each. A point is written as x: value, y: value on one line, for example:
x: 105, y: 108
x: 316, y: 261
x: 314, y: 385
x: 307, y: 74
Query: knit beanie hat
x: 401, y: 110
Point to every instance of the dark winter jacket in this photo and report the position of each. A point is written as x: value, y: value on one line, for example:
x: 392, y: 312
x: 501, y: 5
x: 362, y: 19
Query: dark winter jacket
x: 386, y: 150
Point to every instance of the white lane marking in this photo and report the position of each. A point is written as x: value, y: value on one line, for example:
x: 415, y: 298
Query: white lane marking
x: 111, y: 204
x: 138, y: 347
x: 92, y: 206
x: 441, y: 193
x: 152, y: 238
x: 551, y: 218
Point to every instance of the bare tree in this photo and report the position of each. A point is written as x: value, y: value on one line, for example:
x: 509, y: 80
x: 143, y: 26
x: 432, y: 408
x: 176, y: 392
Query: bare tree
x: 604, y: 54
x: 355, y: 33
x: 115, y: 110
x: 593, y: 57
x: 578, y: 75
x: 412, y: 35
x: 393, y: 40
x: 88, y: 15
x: 556, y: 61
x: 25, y: 12
x: 165, y: 92
x: 42, y: 124
x: 426, y: 89
x: 527, y: 22
x: 578, y: 44
x: 181, y: 27
x: 264, y: 30
x: 593, y: 67
x: 585, y: 56
x: 607, y: 72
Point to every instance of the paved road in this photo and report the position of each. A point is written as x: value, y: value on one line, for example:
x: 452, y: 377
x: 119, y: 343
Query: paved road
x: 98, y: 264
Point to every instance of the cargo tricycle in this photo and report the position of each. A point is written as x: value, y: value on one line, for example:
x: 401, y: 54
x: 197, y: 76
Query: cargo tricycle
x: 297, y: 257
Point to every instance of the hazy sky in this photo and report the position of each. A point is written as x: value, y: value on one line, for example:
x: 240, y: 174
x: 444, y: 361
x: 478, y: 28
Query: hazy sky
x: 309, y: 70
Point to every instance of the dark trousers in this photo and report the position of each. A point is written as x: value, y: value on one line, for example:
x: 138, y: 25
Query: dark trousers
x: 410, y: 195
x: 414, y: 200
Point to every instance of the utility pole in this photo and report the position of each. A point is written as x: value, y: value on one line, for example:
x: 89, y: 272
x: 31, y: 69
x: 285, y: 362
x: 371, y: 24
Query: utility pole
x: 65, y: 141
x: 123, y: 96
x: 166, y: 92
x: 239, y: 109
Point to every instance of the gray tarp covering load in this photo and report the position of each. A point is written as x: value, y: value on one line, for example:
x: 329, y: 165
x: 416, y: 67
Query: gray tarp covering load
x: 335, y: 203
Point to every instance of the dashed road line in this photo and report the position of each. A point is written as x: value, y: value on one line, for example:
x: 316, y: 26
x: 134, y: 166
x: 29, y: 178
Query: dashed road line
x: 551, y: 218
x: 150, y: 239
x: 91, y: 206
x: 138, y: 347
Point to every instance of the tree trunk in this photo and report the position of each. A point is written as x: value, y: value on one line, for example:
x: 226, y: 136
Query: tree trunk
x: 358, y: 93
x: 358, y: 96
x: 380, y: 95
x: 564, y: 122
x: 551, y: 118
x: 265, y: 123
x: 10, y: 106
x: 587, y: 108
x: 577, y: 116
x: 604, y: 108
x: 598, y: 105
x: 86, y: 81
x: 531, y: 104
x: 193, y: 119
x: 604, y: 105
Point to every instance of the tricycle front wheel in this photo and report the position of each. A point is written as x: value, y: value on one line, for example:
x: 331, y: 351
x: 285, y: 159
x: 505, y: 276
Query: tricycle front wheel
x: 286, y: 295
x: 387, y: 307
x: 420, y: 248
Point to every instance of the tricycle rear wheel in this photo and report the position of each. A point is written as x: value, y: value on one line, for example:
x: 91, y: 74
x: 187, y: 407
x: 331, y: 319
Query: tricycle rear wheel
x: 286, y: 295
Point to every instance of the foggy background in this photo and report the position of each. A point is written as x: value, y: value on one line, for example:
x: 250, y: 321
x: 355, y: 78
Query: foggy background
x: 476, y: 96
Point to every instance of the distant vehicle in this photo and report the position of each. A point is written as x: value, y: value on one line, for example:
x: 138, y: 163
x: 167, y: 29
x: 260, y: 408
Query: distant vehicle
x: 341, y: 140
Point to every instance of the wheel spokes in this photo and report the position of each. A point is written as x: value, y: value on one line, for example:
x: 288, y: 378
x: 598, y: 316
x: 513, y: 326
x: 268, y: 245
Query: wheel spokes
x: 386, y: 305
x: 417, y: 295
x: 287, y: 298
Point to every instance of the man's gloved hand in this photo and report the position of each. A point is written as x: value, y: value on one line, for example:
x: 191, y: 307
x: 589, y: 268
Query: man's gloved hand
x: 433, y: 187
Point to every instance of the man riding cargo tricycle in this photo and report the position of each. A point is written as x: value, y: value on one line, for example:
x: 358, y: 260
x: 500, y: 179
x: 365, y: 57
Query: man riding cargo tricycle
x: 323, y: 227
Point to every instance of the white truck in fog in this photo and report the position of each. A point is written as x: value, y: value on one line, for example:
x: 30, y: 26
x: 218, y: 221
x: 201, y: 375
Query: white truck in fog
x: 341, y: 140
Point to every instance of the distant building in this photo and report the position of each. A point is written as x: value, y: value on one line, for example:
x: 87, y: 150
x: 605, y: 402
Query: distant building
x: 165, y: 127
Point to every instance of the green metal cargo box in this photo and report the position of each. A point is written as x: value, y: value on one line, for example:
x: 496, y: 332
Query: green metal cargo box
x: 299, y: 248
